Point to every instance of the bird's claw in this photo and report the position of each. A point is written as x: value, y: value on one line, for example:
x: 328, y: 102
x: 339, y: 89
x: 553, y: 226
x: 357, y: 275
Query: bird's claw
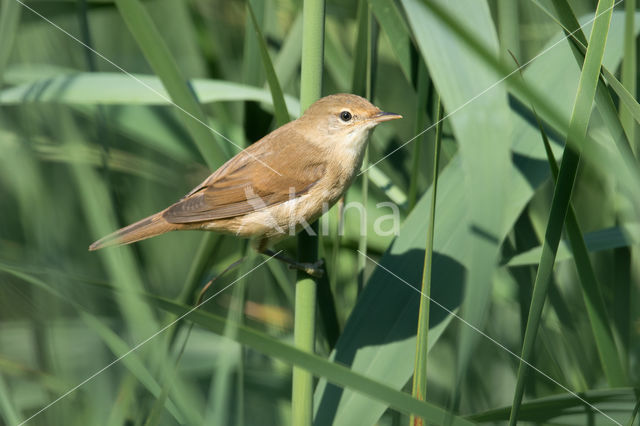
x: 315, y: 269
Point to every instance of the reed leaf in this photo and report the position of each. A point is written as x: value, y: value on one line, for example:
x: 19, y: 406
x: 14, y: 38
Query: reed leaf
x: 155, y: 49
x: 9, y: 20
x: 563, y: 188
x: 279, y: 105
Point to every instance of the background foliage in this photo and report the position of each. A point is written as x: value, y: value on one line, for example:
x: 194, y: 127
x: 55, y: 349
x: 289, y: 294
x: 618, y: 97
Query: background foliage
x: 86, y: 148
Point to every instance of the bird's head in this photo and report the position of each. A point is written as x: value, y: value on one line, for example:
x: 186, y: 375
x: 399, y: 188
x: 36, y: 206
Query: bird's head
x: 343, y: 120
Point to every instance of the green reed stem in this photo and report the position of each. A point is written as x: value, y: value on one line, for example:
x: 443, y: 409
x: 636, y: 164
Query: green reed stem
x: 419, y: 389
x: 305, y: 300
x: 368, y: 38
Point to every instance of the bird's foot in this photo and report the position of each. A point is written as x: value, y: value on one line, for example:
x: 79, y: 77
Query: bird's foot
x: 315, y: 269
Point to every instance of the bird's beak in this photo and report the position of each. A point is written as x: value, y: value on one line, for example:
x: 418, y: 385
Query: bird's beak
x: 385, y: 116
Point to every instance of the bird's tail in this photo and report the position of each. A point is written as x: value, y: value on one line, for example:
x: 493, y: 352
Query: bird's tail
x: 141, y: 230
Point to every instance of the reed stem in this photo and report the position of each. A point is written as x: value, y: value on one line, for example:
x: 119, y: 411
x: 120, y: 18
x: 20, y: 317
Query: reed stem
x: 419, y: 389
x: 305, y: 299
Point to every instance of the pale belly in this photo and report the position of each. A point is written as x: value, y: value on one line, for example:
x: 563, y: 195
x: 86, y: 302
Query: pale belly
x: 282, y: 220
x: 286, y: 219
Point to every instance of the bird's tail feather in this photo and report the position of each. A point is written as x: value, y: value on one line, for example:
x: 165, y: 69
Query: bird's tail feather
x: 141, y: 230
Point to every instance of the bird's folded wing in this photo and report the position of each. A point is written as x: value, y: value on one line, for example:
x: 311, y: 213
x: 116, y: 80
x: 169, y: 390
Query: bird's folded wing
x: 254, y: 179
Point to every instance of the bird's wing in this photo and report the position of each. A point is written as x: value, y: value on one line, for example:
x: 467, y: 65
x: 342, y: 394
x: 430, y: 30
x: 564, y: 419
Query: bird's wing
x: 269, y: 172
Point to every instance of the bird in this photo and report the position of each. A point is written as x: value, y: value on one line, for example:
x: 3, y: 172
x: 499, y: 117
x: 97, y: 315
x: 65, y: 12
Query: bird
x: 275, y: 186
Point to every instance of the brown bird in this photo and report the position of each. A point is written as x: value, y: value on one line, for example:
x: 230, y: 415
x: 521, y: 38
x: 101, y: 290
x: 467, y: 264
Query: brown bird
x: 271, y: 189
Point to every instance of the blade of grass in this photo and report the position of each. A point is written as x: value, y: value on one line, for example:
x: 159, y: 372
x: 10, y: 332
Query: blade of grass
x: 115, y: 344
x: 118, y: 89
x: 364, y: 63
x: 229, y: 362
x: 97, y: 208
x: 46, y: 150
x: 388, y: 356
x: 629, y: 68
x: 279, y: 105
x: 361, y: 85
x: 544, y: 410
x: 9, y: 20
x: 564, y: 186
x: 7, y: 409
x: 486, y: 156
x: 569, y: 23
x: 335, y: 373
x: 419, y: 390
x: 508, y: 28
x: 397, y: 32
x: 271, y: 346
x: 135, y: 365
x: 593, y: 299
x: 251, y: 71
x: 421, y: 123
x: 157, y: 53
x: 305, y: 308
x: 288, y: 58
x: 608, y: 351
x: 634, y: 414
x: 207, y: 250
x: 360, y: 81
x: 600, y: 240
x: 591, y: 289
x: 547, y: 110
x: 338, y: 61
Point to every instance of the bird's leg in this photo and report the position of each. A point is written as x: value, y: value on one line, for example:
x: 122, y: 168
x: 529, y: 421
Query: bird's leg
x: 214, y: 279
x: 314, y: 269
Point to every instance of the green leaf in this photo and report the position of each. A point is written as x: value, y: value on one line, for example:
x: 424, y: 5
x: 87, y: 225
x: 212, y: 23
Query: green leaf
x: 117, y: 89
x: 481, y: 129
x: 377, y: 338
x: 547, y: 107
x: 320, y: 367
x: 287, y: 60
x: 271, y: 346
x: 387, y: 186
x: 397, y: 32
x: 568, y: 21
x: 118, y: 347
x: 591, y: 289
x: 603, y: 239
x: 157, y: 53
x: 339, y: 64
x: 9, y: 20
x: 134, y: 364
x: 566, y: 409
x: 629, y: 72
x: 7, y: 409
x: 280, y: 107
x: 419, y: 390
x: 562, y: 192
x: 423, y: 89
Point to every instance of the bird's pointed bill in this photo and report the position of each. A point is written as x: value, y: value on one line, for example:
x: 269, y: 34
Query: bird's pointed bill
x: 386, y: 116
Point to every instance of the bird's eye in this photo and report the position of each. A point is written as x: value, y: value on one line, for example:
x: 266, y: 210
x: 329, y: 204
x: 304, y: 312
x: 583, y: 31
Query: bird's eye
x: 345, y: 115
